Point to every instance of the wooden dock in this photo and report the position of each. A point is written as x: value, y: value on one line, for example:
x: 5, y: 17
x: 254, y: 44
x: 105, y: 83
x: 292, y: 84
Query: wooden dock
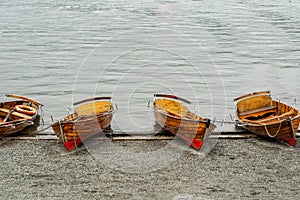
x: 121, y: 136
x: 148, y: 136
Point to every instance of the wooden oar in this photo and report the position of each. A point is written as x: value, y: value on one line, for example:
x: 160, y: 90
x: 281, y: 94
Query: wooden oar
x: 11, y: 110
x: 267, y: 120
x: 24, y: 98
x: 278, y: 117
x: 91, y: 99
x: 172, y: 97
x: 252, y: 94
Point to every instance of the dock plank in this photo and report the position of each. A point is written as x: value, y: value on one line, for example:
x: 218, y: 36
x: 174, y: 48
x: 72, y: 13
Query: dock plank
x: 118, y: 136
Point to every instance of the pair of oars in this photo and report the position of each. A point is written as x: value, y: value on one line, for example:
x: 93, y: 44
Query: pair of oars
x: 12, y: 109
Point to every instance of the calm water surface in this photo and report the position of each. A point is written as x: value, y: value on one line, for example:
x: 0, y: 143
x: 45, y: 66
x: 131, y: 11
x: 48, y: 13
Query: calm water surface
x: 209, y: 52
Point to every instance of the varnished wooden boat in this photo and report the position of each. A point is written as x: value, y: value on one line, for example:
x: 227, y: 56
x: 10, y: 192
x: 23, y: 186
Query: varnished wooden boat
x: 91, y: 116
x: 174, y: 117
x: 17, y: 115
x: 258, y: 113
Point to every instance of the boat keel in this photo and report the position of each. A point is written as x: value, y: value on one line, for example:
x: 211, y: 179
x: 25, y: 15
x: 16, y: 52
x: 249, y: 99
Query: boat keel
x: 195, y: 143
x: 290, y: 141
x: 71, y: 145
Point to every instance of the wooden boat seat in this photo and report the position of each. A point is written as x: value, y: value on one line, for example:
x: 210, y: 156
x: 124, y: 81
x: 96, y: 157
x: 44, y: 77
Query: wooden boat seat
x: 271, y: 119
x: 175, y: 109
x: 94, y: 108
x: 171, y: 107
x: 258, y: 111
x: 254, y: 102
x: 14, y: 115
x: 278, y: 117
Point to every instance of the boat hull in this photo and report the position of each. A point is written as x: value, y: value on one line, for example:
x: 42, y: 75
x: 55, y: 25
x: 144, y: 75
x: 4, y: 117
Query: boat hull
x: 284, y: 129
x: 273, y: 120
x: 11, y: 129
x: 90, y: 118
x: 73, y: 130
x: 191, y: 128
x: 16, y: 121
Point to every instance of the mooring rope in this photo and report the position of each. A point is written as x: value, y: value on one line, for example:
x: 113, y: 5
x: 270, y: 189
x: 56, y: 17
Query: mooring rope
x: 225, y: 122
x: 61, y: 131
x: 267, y: 131
x: 47, y: 127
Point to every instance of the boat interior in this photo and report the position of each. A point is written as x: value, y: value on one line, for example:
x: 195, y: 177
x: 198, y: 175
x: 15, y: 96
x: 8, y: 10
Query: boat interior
x: 175, y: 109
x: 93, y: 108
x: 262, y: 109
x: 9, y: 114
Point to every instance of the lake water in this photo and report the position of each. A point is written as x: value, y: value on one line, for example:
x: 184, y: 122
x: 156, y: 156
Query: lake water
x: 209, y: 52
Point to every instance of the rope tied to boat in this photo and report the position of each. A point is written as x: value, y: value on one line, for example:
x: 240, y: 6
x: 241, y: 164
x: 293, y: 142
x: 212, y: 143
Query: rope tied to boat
x: 61, y: 131
x: 225, y: 121
x: 273, y: 136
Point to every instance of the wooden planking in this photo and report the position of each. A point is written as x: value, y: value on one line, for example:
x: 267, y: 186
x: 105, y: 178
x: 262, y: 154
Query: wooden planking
x: 36, y: 137
x: 233, y: 136
x: 136, y: 136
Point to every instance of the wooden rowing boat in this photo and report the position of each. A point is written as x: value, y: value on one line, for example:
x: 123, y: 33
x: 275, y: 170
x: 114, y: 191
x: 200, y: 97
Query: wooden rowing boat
x: 91, y: 116
x: 258, y: 113
x: 174, y: 117
x: 13, y: 119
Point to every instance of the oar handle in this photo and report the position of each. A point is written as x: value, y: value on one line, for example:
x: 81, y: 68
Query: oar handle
x: 91, y: 99
x: 251, y: 94
x: 24, y: 98
x: 172, y: 97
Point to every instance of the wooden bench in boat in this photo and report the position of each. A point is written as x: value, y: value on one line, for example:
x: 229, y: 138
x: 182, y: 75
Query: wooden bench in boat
x: 14, y: 115
x: 278, y: 117
x: 258, y: 111
x: 272, y: 118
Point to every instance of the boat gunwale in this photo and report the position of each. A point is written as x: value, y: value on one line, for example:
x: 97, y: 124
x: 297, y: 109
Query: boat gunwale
x: 16, y: 122
x: 92, y: 99
x: 170, y: 96
x: 78, y: 119
x: 203, y: 120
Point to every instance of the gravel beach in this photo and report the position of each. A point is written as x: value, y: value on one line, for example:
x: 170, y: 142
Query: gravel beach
x: 234, y: 169
x: 208, y: 52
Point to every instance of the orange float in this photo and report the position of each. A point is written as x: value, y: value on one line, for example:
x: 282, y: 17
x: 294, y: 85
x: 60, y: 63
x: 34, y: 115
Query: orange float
x: 28, y: 110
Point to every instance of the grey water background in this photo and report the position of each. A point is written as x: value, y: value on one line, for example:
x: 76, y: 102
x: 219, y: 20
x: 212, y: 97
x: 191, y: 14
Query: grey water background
x: 209, y: 52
